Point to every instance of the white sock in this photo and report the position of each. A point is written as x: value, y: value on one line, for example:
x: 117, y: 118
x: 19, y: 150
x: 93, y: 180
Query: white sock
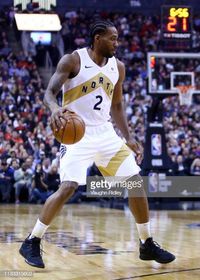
x: 144, y: 231
x: 38, y: 230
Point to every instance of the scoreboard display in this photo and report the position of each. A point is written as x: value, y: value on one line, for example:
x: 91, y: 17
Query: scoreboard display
x: 176, y: 22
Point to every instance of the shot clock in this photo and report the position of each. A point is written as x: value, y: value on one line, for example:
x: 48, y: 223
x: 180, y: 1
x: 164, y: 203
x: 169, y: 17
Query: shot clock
x: 176, y: 22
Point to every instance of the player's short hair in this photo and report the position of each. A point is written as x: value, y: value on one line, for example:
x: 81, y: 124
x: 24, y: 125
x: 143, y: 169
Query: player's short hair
x: 99, y: 27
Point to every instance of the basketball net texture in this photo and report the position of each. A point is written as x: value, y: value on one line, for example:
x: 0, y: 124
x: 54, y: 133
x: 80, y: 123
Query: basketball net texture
x: 185, y: 94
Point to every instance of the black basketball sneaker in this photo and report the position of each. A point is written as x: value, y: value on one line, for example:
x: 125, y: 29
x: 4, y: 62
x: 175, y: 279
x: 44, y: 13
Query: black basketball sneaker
x: 31, y: 251
x: 151, y: 250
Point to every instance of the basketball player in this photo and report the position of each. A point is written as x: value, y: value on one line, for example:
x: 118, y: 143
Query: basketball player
x: 92, y: 87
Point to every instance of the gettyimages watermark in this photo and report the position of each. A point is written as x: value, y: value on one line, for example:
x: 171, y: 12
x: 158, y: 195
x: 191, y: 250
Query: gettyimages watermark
x: 112, y: 186
x: 155, y: 185
x: 15, y: 273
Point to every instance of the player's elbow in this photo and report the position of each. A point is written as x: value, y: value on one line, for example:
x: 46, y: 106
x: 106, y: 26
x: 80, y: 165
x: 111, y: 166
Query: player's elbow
x: 46, y: 97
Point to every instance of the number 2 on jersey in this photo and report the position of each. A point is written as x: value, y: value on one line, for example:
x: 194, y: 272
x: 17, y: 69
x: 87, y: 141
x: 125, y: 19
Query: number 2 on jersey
x: 100, y: 99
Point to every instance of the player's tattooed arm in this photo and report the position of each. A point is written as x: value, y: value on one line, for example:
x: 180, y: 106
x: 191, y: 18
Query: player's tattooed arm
x: 65, y: 69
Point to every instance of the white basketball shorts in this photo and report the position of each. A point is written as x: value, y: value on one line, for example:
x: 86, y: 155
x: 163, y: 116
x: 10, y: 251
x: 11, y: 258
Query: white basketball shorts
x: 101, y: 145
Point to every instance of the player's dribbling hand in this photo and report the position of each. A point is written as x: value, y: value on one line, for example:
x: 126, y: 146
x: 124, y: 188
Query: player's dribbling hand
x: 59, y: 116
x: 137, y: 149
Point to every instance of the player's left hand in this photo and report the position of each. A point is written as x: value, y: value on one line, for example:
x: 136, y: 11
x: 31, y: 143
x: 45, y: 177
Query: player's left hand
x: 137, y: 148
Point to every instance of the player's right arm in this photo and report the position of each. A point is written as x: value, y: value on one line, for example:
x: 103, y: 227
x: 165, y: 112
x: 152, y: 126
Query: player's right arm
x: 67, y: 67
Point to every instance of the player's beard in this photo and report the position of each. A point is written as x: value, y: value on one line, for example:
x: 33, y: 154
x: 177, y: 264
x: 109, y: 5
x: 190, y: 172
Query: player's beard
x: 108, y: 55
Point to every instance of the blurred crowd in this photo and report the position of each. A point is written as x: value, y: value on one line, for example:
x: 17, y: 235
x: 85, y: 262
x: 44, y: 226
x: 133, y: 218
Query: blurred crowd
x: 29, y: 154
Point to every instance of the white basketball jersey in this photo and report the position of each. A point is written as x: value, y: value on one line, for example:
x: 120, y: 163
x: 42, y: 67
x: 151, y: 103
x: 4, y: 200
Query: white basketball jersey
x: 90, y: 93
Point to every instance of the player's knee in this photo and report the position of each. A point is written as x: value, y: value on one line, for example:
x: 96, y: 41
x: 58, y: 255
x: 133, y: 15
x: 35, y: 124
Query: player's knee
x: 135, y: 186
x: 67, y: 189
x: 137, y: 179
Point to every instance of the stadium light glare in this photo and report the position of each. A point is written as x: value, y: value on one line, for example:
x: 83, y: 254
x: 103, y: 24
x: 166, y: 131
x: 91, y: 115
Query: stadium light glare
x: 38, y: 22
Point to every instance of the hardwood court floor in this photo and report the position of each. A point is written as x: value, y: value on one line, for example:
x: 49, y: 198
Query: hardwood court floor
x: 90, y: 243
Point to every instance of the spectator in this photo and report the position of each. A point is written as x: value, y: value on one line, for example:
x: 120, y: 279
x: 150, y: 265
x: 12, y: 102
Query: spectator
x: 40, y: 190
x: 56, y: 161
x: 180, y: 168
x: 195, y: 167
x: 6, y: 177
x: 46, y: 165
x: 53, y: 179
x: 23, y: 177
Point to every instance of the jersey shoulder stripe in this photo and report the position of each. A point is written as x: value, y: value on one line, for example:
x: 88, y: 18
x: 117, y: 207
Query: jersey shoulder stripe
x: 87, y: 87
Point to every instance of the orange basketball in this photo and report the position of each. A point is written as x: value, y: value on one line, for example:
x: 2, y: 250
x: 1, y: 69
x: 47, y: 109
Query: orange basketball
x: 72, y: 132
